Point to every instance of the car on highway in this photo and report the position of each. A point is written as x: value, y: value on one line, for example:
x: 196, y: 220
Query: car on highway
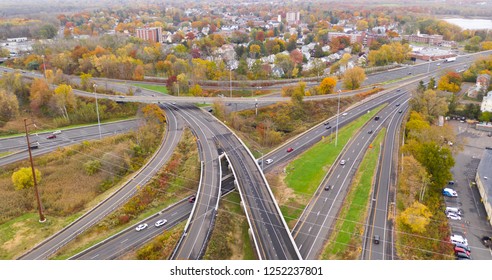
x: 268, y: 161
x: 401, y: 111
x: 328, y: 187
x: 141, y: 227
x: 397, y: 104
x: 376, y: 118
x: 454, y: 216
x: 376, y: 239
x: 328, y: 127
x: 160, y: 222
x: 34, y: 145
x: 56, y: 132
x: 51, y: 136
x: 191, y: 199
x: 342, y: 162
x: 369, y: 132
x: 326, y: 123
x: 449, y: 192
x: 121, y: 96
x: 344, y: 114
x: 289, y: 150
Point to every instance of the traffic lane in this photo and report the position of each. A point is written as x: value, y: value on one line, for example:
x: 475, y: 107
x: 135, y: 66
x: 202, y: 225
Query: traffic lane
x: 56, y: 241
x: 315, y: 135
x: 381, y: 192
x: 130, y: 238
x: 19, y: 142
x: 352, y: 153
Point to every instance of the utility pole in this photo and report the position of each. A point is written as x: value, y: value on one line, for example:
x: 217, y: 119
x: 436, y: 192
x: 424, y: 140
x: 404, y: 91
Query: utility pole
x: 338, y: 114
x: 97, y: 111
x: 42, y: 219
x: 44, y: 67
x: 256, y: 107
x: 230, y: 81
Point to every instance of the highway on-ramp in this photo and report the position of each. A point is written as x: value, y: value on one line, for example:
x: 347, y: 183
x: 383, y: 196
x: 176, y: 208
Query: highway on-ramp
x: 49, y: 246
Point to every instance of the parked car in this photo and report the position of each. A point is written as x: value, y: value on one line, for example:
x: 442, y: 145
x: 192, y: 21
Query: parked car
x: 453, y: 216
x: 462, y: 255
x: 289, y: 150
x: 487, y: 241
x: 451, y: 182
x: 455, y: 210
x: 397, y: 104
x: 160, y: 223
x: 458, y: 239
x: 141, y: 227
x: 461, y: 250
x: 461, y: 245
x: 192, y: 199
x: 449, y: 192
x: 268, y: 161
x: 51, y: 136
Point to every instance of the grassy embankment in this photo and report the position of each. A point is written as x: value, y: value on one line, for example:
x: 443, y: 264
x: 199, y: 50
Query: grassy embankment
x: 230, y: 239
x: 295, y: 187
x: 346, y: 240
x: 176, y: 180
x: 157, y: 88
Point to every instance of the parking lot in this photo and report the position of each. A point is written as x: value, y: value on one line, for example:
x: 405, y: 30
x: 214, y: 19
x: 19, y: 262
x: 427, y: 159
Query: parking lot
x: 474, y: 224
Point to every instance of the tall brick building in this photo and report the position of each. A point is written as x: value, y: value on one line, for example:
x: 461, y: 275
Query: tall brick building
x: 153, y: 34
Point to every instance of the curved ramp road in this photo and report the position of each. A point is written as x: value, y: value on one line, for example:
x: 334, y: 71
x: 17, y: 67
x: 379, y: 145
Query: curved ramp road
x: 200, y: 223
x: 68, y: 137
x: 48, y: 247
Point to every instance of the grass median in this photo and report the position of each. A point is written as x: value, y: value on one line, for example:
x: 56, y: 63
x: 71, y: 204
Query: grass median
x: 158, y: 88
x: 346, y: 241
x: 304, y: 174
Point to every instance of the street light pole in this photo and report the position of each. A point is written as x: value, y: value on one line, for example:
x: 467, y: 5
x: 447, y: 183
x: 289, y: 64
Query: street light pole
x: 338, y: 114
x: 230, y: 82
x: 42, y: 219
x: 97, y: 111
x: 44, y: 67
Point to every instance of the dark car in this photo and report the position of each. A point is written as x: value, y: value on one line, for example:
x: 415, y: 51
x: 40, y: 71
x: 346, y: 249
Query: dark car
x: 370, y: 132
x: 192, y: 199
x: 328, y: 127
x: 376, y: 239
x: 397, y: 104
x: 462, y: 255
x: 376, y: 118
x: 400, y: 111
x: 326, y: 123
x: 51, y: 136
x: 329, y: 187
x: 289, y: 150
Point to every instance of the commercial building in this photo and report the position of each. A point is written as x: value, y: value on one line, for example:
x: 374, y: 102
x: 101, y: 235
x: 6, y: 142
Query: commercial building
x: 484, y: 181
x: 153, y: 34
x: 293, y: 17
x: 354, y: 37
x: 487, y: 103
x: 424, y: 39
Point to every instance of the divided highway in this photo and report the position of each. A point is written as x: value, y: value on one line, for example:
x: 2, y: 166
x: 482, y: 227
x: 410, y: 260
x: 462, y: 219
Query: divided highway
x: 49, y: 246
x: 70, y: 136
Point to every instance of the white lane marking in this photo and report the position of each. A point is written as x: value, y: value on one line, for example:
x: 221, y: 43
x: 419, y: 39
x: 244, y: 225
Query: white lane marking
x: 124, y: 240
x: 338, y: 176
x: 95, y: 257
x: 318, y: 213
x: 174, y: 214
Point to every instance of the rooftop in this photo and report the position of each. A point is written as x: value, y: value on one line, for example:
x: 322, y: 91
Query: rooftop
x: 484, y: 172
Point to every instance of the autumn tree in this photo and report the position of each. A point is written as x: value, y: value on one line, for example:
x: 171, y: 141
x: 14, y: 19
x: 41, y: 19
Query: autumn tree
x: 438, y: 161
x: 327, y: 85
x: 63, y: 100
x: 254, y: 50
x: 23, y: 179
x: 40, y: 95
x: 450, y: 82
x: 417, y: 217
x: 353, y: 78
x: 429, y: 104
x: 86, y: 81
x: 9, y: 107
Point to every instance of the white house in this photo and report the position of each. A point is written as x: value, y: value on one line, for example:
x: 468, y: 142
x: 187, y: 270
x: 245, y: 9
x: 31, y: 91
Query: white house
x: 487, y: 103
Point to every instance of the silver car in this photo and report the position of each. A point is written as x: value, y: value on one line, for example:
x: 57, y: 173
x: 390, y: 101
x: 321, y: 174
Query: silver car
x: 160, y: 223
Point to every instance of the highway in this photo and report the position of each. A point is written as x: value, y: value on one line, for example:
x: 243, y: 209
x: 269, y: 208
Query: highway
x: 18, y: 146
x: 379, y: 221
x: 49, y: 246
x: 317, y: 220
x: 197, y: 231
x: 129, y: 239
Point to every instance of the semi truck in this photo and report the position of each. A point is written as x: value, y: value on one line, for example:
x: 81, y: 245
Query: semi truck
x: 450, y: 59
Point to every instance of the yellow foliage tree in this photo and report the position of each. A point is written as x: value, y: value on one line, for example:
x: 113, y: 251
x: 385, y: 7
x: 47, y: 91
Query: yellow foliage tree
x: 417, y: 217
x: 353, y: 78
x: 22, y: 178
x: 487, y: 45
x: 327, y: 85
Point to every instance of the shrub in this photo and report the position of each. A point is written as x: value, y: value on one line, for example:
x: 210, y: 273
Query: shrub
x: 92, y: 167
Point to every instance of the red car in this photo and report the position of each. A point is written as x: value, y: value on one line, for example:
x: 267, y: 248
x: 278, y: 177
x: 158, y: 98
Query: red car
x: 51, y: 136
x: 289, y: 150
x: 461, y: 250
x: 191, y: 199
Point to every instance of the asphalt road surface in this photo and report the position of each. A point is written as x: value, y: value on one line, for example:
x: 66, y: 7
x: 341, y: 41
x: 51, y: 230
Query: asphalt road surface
x: 379, y: 222
x: 49, y: 246
x: 18, y: 145
x: 318, y: 219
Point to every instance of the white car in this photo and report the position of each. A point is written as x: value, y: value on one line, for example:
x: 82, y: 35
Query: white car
x: 342, y: 162
x: 344, y: 114
x: 268, y: 161
x: 56, y: 132
x: 454, y: 216
x: 160, y: 223
x: 141, y: 227
x: 458, y: 239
